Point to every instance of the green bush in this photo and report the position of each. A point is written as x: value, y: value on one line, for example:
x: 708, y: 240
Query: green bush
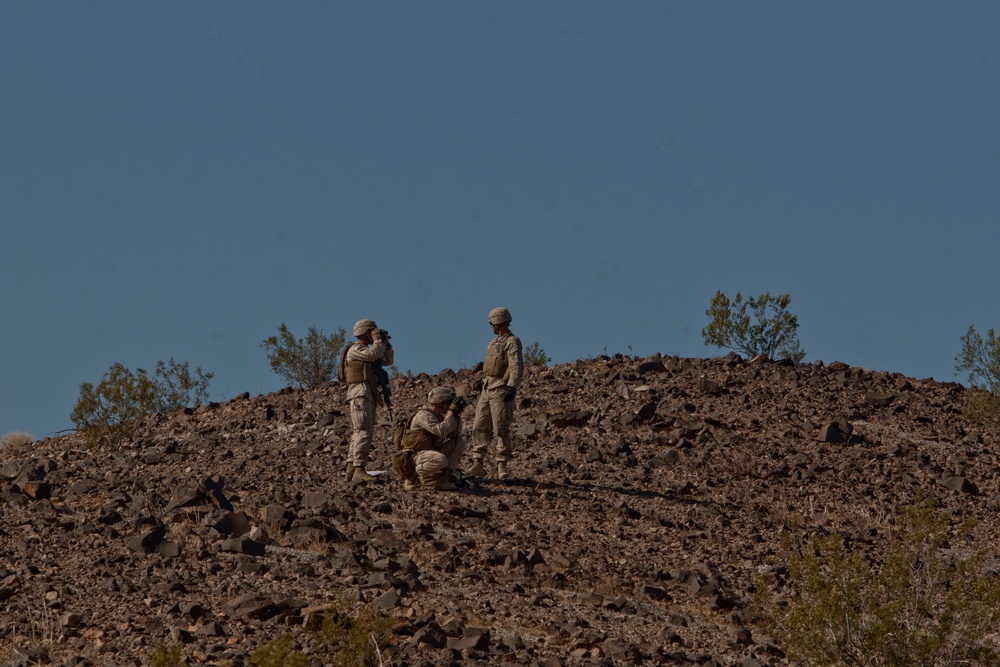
x: 166, y: 656
x: 534, y: 355
x: 982, y: 408
x: 305, y: 362
x: 768, y: 328
x: 923, y: 604
x: 361, y: 641
x: 981, y: 360
x: 106, y: 413
x: 278, y: 653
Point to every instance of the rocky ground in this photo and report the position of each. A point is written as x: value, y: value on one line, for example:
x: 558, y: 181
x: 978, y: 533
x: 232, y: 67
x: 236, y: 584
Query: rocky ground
x: 648, y: 496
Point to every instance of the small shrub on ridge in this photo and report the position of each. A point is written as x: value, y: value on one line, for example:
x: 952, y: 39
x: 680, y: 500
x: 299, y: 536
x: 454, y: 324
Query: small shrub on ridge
x: 106, y: 413
x: 307, y: 362
x: 770, y: 331
x: 534, y: 355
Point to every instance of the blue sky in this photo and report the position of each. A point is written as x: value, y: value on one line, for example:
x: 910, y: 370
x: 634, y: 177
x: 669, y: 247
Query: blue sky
x: 178, y: 179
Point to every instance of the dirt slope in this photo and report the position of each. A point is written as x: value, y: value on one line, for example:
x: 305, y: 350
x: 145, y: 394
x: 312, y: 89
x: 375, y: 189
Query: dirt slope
x: 648, y: 496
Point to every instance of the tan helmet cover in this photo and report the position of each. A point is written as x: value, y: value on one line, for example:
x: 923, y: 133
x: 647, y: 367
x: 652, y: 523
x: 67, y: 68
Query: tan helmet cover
x: 499, y: 316
x: 361, y: 326
x: 438, y: 394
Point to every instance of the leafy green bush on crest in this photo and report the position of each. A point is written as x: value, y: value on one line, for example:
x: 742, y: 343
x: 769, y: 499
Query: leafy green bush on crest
x: 307, y: 362
x: 768, y: 328
x: 980, y: 358
x: 106, y: 413
x: 534, y: 355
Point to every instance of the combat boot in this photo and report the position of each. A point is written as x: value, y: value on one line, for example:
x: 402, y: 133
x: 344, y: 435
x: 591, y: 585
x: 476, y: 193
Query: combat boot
x: 502, y: 472
x: 409, y: 484
x: 361, y: 476
x: 445, y: 484
x: 350, y: 472
x: 477, y: 469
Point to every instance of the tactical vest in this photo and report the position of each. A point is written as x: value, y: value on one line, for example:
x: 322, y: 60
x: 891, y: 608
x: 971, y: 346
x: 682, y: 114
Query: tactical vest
x: 416, y: 439
x: 495, y: 364
x: 353, y: 371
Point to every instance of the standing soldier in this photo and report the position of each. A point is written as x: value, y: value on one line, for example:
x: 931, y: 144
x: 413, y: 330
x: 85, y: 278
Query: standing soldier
x: 433, y: 438
x: 503, y: 369
x: 361, y: 370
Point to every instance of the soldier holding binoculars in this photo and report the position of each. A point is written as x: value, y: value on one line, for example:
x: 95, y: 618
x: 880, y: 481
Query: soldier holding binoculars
x: 361, y: 370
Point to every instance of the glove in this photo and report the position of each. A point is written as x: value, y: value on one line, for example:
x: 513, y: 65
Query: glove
x: 458, y: 405
x: 377, y: 334
x: 508, y: 394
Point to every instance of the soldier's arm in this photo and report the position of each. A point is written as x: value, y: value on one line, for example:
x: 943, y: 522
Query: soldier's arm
x: 440, y: 429
x: 515, y: 361
x: 372, y: 352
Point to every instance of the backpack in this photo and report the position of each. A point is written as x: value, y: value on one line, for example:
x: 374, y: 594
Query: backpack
x: 403, y: 465
x: 417, y: 441
x: 400, y: 431
x: 342, y: 366
x: 402, y: 461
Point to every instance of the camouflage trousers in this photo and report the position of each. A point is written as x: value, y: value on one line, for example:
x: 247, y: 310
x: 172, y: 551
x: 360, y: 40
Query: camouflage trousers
x: 431, y: 464
x: 363, y: 422
x: 492, y: 425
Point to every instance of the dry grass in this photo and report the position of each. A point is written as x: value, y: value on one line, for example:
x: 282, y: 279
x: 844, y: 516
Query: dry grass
x: 16, y: 443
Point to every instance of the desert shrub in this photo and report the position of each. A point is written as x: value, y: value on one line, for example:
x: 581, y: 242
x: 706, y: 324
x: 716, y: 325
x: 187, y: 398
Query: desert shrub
x: 177, y: 387
x: 307, y: 362
x: 278, y: 653
x: 106, y: 413
x: 982, y: 408
x: 363, y: 640
x: 768, y: 328
x: 981, y: 360
x: 921, y: 605
x: 534, y: 355
x: 166, y: 656
x: 16, y: 440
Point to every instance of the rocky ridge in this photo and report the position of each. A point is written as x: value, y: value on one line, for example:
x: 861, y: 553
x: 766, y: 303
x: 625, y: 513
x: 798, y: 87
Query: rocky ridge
x: 648, y: 495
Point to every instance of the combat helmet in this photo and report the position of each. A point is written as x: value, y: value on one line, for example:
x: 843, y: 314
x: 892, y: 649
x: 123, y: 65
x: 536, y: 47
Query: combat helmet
x: 499, y: 316
x: 438, y: 394
x: 361, y: 326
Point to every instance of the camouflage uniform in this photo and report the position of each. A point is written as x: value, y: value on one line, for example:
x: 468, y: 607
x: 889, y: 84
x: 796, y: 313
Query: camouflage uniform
x: 434, y: 465
x: 430, y: 442
x: 363, y: 397
x: 503, y: 370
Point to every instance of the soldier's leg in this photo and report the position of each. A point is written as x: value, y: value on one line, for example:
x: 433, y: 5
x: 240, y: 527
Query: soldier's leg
x: 432, y: 469
x: 363, y: 421
x: 482, y: 434
x: 454, y: 451
x: 503, y: 414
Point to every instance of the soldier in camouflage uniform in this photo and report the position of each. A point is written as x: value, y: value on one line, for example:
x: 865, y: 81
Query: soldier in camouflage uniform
x: 360, y: 364
x: 434, y: 436
x: 503, y: 369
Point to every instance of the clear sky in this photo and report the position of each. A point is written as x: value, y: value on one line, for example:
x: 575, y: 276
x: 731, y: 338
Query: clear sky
x: 177, y: 179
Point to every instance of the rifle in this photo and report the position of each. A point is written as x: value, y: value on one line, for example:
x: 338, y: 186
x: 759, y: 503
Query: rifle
x: 382, y: 376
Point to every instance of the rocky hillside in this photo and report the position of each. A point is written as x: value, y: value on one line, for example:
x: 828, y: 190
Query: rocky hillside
x: 648, y: 496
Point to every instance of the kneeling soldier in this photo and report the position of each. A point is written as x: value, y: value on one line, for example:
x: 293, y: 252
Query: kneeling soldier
x: 433, y: 437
